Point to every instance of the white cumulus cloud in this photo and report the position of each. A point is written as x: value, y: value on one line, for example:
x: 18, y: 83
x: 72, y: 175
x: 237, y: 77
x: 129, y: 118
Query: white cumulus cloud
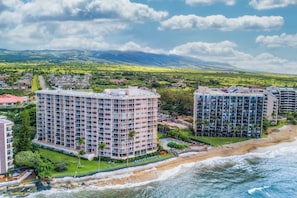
x: 283, y: 40
x: 59, y: 24
x: 220, y: 22
x: 89, y: 9
x: 271, y: 4
x: 205, y: 49
x: 227, y: 52
x: 210, y: 2
x: 132, y: 46
x: 62, y: 35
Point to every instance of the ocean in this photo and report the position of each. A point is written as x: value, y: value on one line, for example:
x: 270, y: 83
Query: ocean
x: 266, y: 172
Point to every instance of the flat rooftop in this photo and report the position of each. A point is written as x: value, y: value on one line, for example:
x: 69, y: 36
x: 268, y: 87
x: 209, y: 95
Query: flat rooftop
x: 233, y: 91
x: 129, y: 92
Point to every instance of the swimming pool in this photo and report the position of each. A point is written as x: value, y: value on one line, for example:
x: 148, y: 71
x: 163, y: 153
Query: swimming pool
x: 165, y: 141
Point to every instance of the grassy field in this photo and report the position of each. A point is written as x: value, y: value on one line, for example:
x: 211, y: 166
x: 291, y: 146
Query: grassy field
x: 163, y: 75
x: 90, y: 166
x: 87, y: 166
x: 35, y: 83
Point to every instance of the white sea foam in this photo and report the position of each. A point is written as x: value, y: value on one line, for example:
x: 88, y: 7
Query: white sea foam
x: 237, y: 161
x: 253, y: 190
x: 163, y: 176
x: 263, y: 152
x: 282, y: 148
x: 175, y: 171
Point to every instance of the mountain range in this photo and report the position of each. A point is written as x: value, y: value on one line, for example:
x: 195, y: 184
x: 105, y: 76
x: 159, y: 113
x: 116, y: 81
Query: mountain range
x: 112, y: 57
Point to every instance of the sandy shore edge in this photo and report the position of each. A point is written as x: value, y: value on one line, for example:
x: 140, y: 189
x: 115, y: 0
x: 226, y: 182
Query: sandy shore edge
x: 152, y: 172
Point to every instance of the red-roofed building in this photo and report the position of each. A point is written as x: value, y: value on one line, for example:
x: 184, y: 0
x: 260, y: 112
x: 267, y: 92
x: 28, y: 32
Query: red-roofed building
x: 10, y: 100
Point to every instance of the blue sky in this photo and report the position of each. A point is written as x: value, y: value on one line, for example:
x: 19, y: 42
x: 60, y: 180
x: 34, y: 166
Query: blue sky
x: 251, y: 34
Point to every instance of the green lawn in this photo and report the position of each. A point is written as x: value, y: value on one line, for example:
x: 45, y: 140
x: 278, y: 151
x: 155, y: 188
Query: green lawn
x: 87, y: 166
x: 219, y: 141
x: 35, y: 83
x: 213, y: 141
x: 90, y: 166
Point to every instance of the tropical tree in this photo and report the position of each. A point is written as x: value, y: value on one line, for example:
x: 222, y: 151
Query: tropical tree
x: 101, y: 147
x: 40, y: 163
x: 205, y: 126
x: 25, y: 158
x: 199, y: 124
x: 266, y: 124
x: 80, y: 154
x: 80, y: 142
x: 131, y: 136
x: 255, y: 128
x: 244, y: 129
x: 164, y: 128
x: 24, y: 137
x: 236, y: 130
x: 44, y: 167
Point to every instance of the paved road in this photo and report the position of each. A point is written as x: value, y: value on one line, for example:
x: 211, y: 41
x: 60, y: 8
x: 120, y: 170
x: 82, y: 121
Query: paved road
x: 42, y: 82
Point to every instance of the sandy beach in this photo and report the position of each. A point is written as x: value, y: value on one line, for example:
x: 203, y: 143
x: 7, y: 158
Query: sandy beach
x: 152, y: 172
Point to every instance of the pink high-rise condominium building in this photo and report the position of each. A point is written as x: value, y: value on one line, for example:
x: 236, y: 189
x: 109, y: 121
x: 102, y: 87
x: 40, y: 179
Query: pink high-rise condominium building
x: 63, y: 117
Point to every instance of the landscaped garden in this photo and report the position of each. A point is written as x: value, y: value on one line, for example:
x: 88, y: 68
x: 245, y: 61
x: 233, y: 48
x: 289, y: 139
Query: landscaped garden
x: 89, y: 167
x: 218, y: 141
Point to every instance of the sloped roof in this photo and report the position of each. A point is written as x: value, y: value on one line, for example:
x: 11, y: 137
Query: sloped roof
x: 8, y: 98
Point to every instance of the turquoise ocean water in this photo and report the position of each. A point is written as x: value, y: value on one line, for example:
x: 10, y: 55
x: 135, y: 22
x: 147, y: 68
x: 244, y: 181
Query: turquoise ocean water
x: 266, y: 172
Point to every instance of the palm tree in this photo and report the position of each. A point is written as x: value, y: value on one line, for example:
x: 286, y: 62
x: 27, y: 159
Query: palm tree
x: 255, y: 127
x: 244, y: 130
x: 176, y: 132
x: 165, y: 129
x: 206, y: 125
x: 199, y: 122
x: 80, y: 142
x: 101, y: 147
x: 131, y: 136
x: 80, y: 153
x: 236, y: 130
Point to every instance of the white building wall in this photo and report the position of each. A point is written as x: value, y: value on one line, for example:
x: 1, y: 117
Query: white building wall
x: 6, y: 145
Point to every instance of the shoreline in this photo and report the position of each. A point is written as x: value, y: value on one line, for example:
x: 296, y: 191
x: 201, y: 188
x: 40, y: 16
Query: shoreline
x: 152, y: 172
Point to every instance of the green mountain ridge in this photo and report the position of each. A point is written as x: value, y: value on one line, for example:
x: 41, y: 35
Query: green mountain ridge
x: 113, y: 57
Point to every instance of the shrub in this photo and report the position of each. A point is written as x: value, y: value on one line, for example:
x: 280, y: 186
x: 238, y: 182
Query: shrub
x: 61, y: 166
x: 177, y: 146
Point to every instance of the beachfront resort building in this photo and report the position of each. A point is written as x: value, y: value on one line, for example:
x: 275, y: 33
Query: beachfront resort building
x: 271, y: 107
x: 287, y: 98
x: 6, y: 147
x: 63, y: 117
x: 228, y: 112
